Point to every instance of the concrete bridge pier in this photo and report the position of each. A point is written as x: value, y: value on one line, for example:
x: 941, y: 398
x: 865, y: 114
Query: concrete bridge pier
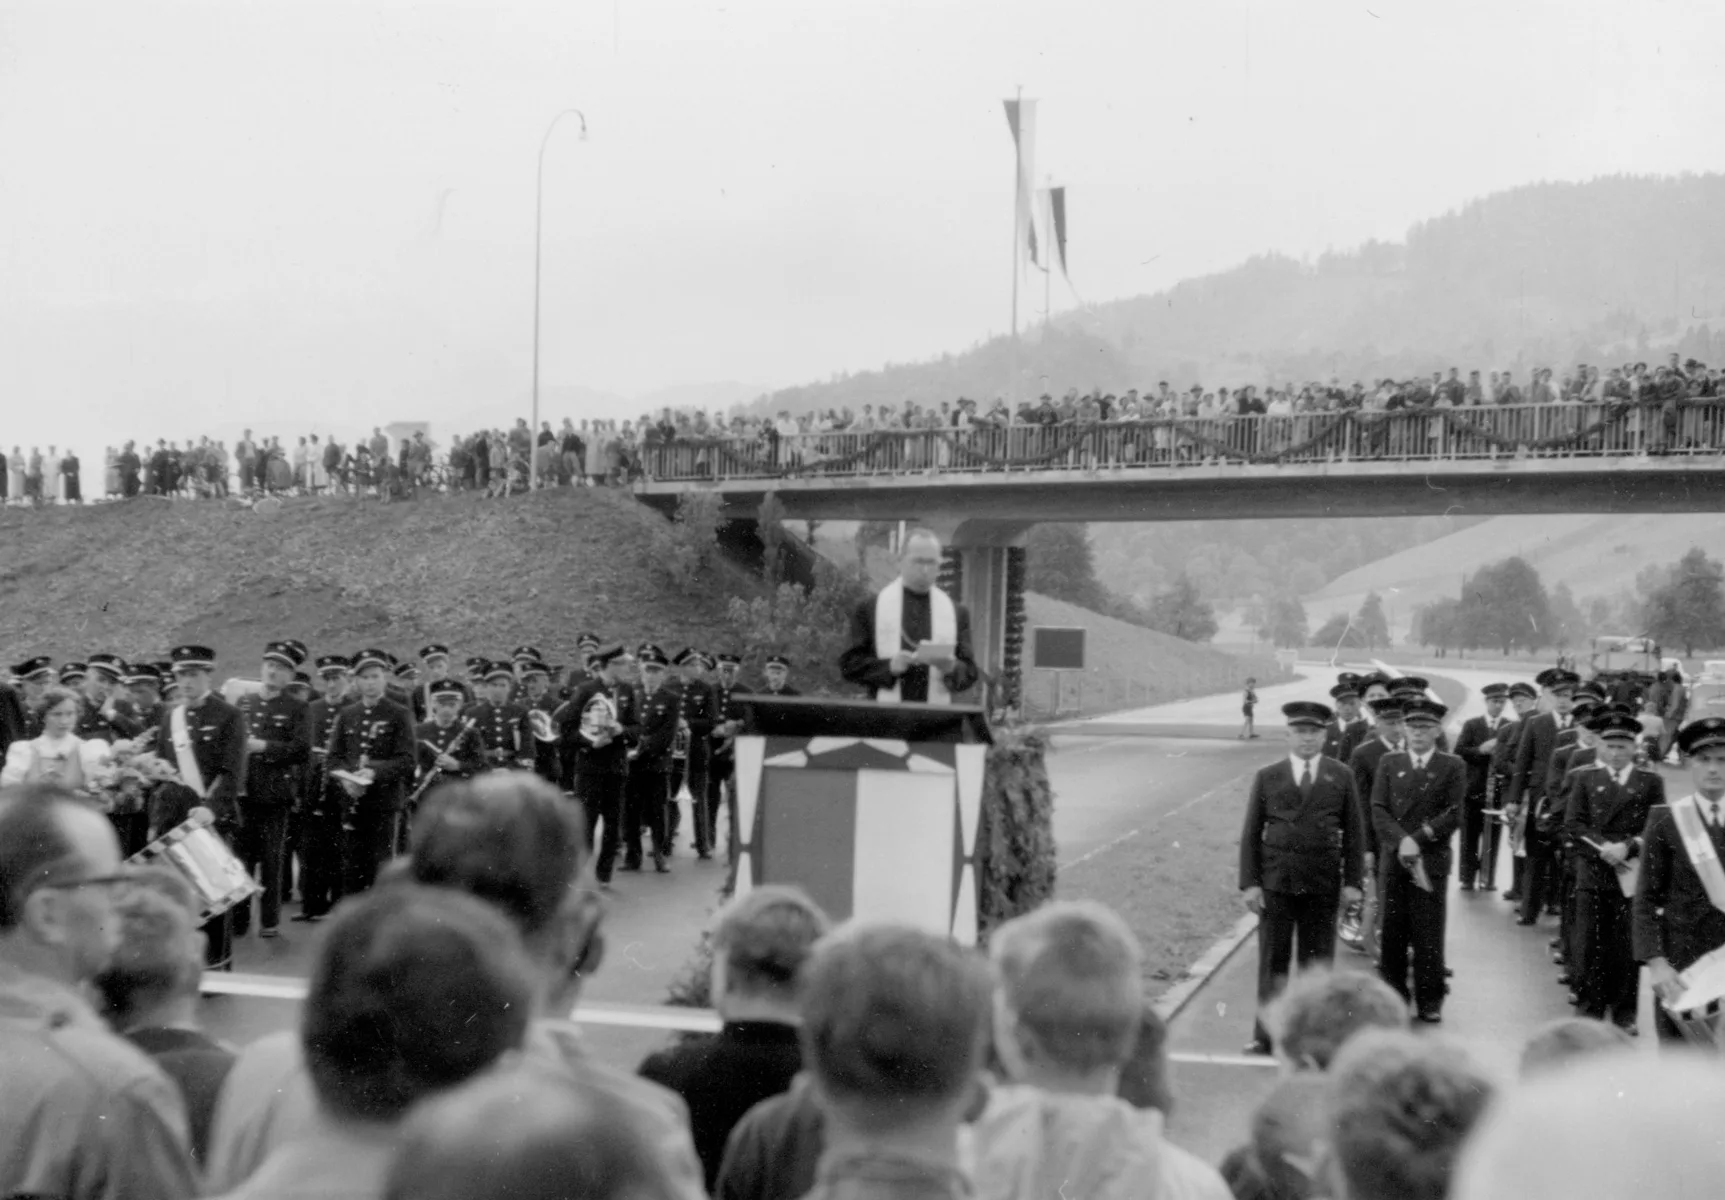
x: 980, y: 554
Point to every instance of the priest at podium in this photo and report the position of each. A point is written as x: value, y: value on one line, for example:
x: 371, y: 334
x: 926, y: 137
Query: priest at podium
x: 911, y: 642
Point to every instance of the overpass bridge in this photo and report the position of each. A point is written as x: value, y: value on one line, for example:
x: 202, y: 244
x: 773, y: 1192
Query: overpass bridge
x: 983, y: 487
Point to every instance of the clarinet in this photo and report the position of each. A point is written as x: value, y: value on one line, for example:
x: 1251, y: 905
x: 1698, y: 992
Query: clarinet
x: 432, y: 775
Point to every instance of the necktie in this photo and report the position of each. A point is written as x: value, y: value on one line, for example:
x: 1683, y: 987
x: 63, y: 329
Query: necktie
x: 1305, y: 779
x: 1714, y: 809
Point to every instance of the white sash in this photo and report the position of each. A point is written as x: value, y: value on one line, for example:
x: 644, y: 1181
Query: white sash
x: 190, y: 775
x: 889, y: 636
x: 1698, y: 844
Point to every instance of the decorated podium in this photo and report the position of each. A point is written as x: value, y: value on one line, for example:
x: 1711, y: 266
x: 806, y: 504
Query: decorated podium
x: 872, y: 809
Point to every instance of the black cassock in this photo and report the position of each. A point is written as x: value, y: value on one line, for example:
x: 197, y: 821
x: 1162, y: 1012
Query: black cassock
x: 861, y: 666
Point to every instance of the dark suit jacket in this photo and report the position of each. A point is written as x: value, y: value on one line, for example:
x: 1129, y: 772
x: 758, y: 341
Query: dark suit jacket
x: 1340, y: 739
x: 724, y: 1076
x: 275, y: 775
x: 1405, y: 802
x: 1363, y: 762
x: 1673, y: 919
x: 1301, y: 844
x: 860, y: 665
x: 1596, y: 807
x: 384, y: 736
x: 1476, y: 732
x: 13, y: 727
x: 218, y: 736
x: 1533, y: 751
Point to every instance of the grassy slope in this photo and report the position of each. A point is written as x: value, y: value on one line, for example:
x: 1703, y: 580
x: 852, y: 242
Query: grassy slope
x: 135, y: 578
x: 1595, y: 555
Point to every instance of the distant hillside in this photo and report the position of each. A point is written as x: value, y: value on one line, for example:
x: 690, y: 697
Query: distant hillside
x: 1553, y: 273
x: 137, y: 577
x: 1595, y: 555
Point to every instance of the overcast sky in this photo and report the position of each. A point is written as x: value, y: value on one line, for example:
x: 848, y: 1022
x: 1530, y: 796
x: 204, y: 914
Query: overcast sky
x: 219, y: 213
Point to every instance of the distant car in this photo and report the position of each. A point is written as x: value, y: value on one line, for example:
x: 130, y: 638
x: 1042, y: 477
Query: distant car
x: 1707, y: 691
x: 1626, y: 666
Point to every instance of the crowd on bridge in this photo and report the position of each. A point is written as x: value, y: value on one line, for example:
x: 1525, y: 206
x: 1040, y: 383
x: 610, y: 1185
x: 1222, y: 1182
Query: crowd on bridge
x: 1629, y: 409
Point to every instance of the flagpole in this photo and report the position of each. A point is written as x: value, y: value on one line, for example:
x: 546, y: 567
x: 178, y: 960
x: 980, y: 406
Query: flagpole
x: 1017, y: 224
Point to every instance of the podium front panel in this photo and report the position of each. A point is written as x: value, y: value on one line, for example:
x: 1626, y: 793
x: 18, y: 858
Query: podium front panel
x: 870, y: 828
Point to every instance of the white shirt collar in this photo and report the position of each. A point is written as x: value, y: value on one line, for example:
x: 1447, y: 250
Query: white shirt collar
x: 1420, y: 761
x: 1299, y: 765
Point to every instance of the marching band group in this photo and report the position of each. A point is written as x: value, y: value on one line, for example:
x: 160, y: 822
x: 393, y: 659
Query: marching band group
x: 1351, y: 834
x: 325, y: 776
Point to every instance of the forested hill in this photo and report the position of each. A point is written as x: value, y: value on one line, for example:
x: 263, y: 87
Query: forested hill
x: 1552, y: 273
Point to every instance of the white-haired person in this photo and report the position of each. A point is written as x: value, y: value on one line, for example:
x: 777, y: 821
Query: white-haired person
x: 1068, y: 1004
x: 58, y: 755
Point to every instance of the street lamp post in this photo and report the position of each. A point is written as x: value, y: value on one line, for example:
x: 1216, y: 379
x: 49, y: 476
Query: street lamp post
x: 538, y: 227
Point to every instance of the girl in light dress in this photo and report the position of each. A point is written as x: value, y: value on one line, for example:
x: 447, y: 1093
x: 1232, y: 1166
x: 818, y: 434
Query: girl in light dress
x: 58, y: 756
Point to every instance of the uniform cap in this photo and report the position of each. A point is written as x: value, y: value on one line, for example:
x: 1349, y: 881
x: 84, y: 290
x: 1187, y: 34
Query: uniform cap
x: 193, y: 658
x: 1343, y: 691
x: 650, y: 655
x: 40, y: 667
x: 1556, y: 679
x: 534, y: 667
x: 289, y: 654
x: 1418, y: 710
x: 435, y: 650
x: 686, y: 655
x: 141, y: 673
x: 778, y: 660
x: 498, y: 670
x: 371, y: 658
x: 73, y: 671
x: 525, y: 654
x: 1700, y: 735
x: 406, y: 670
x: 1614, y: 724
x: 332, y: 664
x: 111, y: 665
x: 1494, y: 691
x: 1306, y: 713
x: 476, y: 665
x: 446, y: 687
x: 610, y: 654
x: 1388, y: 708
x: 727, y: 659
x: 586, y: 641
x: 1590, y: 689
x: 1585, y: 709
x: 1524, y: 689
x: 1350, y: 678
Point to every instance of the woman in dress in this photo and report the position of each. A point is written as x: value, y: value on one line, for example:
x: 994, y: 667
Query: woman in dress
x: 58, y: 756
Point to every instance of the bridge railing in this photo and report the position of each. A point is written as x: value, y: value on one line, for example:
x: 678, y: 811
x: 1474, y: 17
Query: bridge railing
x: 1682, y: 427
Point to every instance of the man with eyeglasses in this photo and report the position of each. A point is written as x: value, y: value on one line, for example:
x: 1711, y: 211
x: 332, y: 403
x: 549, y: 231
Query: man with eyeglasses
x: 82, y: 1112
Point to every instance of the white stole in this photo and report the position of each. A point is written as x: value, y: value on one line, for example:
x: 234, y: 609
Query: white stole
x: 1698, y: 845
x: 190, y: 775
x: 889, y: 636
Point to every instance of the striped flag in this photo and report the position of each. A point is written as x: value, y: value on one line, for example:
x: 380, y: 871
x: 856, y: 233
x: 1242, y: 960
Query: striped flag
x: 1057, y: 228
x: 1021, y: 119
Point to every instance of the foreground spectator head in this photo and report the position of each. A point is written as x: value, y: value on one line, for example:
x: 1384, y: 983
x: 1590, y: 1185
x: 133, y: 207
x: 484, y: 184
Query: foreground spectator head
x: 1070, y: 996
x: 1401, y: 1107
x: 415, y: 990
x: 761, y: 941
x: 1614, y: 1126
x: 514, y: 841
x: 1144, y: 1076
x: 1563, y: 1041
x: 1289, y: 1132
x: 1321, y: 1009
x: 894, y: 1025
x: 153, y: 976
x: 60, y: 876
x: 526, y: 1135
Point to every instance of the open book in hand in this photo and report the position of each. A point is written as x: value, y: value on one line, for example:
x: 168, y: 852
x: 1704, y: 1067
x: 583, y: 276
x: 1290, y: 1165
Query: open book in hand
x: 357, y: 778
x: 936, y: 653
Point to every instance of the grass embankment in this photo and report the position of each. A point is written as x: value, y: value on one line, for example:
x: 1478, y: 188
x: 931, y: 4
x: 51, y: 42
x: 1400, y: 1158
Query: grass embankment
x: 484, y: 576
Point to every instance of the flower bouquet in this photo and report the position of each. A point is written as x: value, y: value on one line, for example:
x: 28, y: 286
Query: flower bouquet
x: 121, y: 784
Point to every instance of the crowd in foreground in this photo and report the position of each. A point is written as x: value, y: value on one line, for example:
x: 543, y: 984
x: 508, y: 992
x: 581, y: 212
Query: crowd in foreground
x: 610, y: 452
x: 434, y: 1058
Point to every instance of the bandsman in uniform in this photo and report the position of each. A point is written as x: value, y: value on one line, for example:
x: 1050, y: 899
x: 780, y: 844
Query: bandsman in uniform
x: 777, y: 674
x: 434, y: 667
x: 698, y: 720
x: 1301, y: 855
x: 205, y: 738
x: 520, y: 659
x: 1533, y: 801
x: 105, y: 711
x: 1524, y: 700
x: 1606, y: 808
x: 144, y: 682
x: 586, y: 645
x: 1475, y: 746
x: 278, y: 747
x: 449, y: 744
x: 320, y: 830
x: 502, y: 724
x: 476, y: 668
x: 33, y: 675
x: 650, y: 770
x: 405, y: 683
x: 170, y: 685
x: 594, y: 733
x: 1416, y: 809
x: 373, y: 743
x: 540, y: 710
x: 300, y: 687
x: 1349, y: 727
x: 722, y: 762
x: 12, y: 724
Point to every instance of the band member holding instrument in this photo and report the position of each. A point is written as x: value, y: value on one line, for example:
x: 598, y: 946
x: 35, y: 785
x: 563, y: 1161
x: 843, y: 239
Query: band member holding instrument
x: 434, y: 668
x: 504, y: 734
x: 33, y: 675
x: 278, y: 746
x: 1475, y: 746
x: 371, y: 761
x: 539, y: 706
x: 1528, y: 787
x: 1524, y: 699
x: 205, y: 738
x: 594, y: 733
x: 449, y: 745
x: 1679, y: 908
x: 722, y: 765
x: 1416, y: 807
x: 650, y: 772
x: 1301, y: 855
x: 698, y: 707
x: 320, y: 813
x: 108, y: 712
x: 1606, y: 809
